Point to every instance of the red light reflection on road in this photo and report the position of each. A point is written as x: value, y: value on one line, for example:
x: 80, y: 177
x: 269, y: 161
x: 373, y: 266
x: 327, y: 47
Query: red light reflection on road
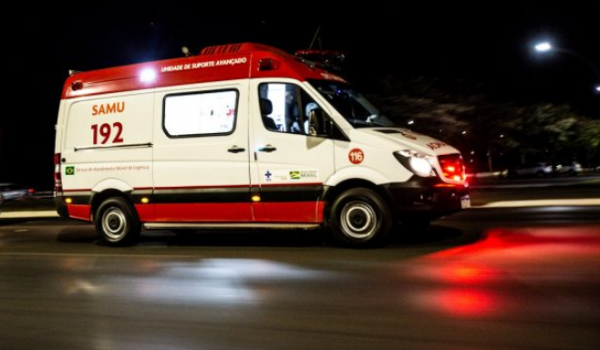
x: 457, y: 273
x: 467, y: 274
x: 466, y: 302
x: 532, y: 242
x: 487, y: 278
x: 462, y: 290
x: 460, y: 302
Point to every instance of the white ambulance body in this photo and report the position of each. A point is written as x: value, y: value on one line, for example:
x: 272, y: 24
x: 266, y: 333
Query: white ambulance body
x: 242, y: 136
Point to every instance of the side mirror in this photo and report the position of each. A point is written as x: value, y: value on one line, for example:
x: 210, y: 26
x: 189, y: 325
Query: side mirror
x: 317, y: 123
x: 312, y: 131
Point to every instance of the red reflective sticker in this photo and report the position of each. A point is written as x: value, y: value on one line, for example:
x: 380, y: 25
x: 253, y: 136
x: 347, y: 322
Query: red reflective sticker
x: 356, y: 156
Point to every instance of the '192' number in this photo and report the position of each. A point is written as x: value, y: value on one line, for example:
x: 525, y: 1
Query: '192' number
x: 105, y: 131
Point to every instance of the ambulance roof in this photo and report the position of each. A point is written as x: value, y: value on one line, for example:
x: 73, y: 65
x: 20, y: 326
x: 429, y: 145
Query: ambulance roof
x: 215, y: 63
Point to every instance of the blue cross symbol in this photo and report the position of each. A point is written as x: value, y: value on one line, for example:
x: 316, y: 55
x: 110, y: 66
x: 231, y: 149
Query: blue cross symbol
x: 268, y: 175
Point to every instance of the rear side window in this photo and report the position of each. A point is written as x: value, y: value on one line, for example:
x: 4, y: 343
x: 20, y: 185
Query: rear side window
x: 200, y: 114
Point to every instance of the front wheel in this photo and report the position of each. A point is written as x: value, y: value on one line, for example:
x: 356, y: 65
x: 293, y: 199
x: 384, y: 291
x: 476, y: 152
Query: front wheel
x: 359, y: 217
x: 117, y: 223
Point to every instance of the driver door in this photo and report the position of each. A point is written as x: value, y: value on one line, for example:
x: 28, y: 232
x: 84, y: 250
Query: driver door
x: 288, y: 167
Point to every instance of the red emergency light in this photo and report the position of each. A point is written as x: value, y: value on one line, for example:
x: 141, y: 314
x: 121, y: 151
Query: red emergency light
x: 453, y: 167
x: 57, y: 175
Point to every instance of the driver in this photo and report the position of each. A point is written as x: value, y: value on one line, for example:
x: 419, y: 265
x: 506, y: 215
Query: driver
x: 308, y: 109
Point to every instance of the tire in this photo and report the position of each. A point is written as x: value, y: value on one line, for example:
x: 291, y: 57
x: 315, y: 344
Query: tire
x: 360, y: 218
x: 117, y: 223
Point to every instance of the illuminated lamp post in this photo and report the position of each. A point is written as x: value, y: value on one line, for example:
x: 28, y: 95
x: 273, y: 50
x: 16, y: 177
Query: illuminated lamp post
x: 545, y: 47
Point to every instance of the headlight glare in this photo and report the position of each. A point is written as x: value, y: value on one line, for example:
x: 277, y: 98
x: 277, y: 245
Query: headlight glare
x: 416, y: 162
x: 421, y: 166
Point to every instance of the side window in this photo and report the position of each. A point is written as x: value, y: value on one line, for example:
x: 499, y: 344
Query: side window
x: 285, y: 108
x: 200, y: 114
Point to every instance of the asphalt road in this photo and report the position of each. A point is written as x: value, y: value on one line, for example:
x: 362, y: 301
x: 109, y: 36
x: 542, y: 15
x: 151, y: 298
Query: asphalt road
x: 525, y: 278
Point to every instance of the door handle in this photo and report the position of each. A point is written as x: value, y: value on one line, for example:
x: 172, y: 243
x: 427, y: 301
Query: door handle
x: 236, y: 149
x: 267, y: 148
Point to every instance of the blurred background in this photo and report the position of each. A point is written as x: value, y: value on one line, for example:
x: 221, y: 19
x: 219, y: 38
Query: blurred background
x: 467, y: 74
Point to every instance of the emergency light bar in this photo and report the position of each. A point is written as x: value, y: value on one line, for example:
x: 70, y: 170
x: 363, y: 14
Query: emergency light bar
x: 331, y: 59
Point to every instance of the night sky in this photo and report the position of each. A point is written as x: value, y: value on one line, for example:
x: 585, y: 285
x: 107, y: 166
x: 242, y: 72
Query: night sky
x: 487, y: 43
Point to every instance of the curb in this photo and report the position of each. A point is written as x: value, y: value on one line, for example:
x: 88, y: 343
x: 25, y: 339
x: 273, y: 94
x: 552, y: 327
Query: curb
x: 542, y: 203
x: 29, y: 214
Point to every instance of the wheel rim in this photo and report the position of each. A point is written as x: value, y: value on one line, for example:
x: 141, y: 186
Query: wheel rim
x: 114, y: 224
x: 358, y: 220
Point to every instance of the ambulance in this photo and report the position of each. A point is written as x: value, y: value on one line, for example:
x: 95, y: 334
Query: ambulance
x: 243, y: 136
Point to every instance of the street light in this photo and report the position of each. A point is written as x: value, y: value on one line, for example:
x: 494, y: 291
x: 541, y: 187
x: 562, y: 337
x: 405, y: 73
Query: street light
x: 545, y: 46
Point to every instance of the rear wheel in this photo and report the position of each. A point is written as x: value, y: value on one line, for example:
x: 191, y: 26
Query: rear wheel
x: 117, y: 222
x: 360, y: 218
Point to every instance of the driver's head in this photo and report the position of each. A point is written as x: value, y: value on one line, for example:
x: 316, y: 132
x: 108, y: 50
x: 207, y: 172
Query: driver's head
x: 310, y: 107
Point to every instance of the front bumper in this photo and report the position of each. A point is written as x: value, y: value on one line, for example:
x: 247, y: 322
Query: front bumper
x: 427, y: 199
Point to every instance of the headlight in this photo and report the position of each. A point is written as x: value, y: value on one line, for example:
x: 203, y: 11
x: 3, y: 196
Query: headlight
x: 416, y: 162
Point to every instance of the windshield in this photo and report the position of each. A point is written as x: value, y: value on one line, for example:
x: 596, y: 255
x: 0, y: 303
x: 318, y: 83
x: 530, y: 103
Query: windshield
x: 353, y: 106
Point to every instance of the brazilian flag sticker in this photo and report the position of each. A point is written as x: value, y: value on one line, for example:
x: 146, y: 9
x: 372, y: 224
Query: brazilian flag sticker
x: 295, y: 175
x: 70, y: 170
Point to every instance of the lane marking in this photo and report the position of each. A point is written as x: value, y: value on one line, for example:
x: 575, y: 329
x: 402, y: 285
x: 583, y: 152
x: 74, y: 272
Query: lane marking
x: 542, y: 203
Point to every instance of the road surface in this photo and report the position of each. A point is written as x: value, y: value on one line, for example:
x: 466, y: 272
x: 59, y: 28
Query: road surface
x: 507, y: 278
